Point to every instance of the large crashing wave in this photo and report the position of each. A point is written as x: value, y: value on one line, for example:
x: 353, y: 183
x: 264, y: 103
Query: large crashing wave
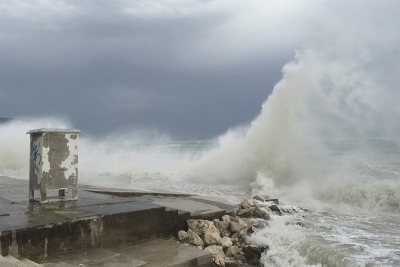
x: 340, y: 88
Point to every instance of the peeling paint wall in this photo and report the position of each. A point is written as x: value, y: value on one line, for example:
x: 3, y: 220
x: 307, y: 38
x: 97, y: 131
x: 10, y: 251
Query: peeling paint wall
x: 53, y: 160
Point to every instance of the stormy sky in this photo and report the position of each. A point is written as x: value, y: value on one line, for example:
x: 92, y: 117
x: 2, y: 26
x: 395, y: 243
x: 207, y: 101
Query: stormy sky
x: 189, y: 68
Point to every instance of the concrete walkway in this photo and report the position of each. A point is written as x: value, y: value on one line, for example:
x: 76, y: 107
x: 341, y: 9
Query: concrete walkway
x: 100, y: 219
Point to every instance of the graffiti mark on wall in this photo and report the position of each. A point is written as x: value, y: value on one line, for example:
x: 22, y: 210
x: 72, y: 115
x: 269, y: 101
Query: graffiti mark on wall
x: 36, y: 156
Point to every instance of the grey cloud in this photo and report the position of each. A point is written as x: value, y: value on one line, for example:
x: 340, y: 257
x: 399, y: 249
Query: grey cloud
x: 189, y: 68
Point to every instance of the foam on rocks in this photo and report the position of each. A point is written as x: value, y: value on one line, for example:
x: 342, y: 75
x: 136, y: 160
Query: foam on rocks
x: 226, y: 239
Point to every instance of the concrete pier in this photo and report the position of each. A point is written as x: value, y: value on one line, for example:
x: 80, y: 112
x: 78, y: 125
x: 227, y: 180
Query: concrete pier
x: 124, y: 221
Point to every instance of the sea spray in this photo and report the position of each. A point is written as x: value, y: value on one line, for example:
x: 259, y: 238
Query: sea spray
x: 14, y: 142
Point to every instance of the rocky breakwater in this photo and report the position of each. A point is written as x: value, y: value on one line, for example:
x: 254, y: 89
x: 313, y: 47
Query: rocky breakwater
x: 225, y: 239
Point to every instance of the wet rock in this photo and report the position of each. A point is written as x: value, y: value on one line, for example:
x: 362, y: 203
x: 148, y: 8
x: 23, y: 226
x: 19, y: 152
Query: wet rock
x: 252, y: 202
x: 194, y: 239
x: 217, y: 253
x: 247, y: 221
x: 241, y: 259
x: 254, y: 262
x: 251, y: 252
x: 199, y: 226
x: 274, y: 200
x: 211, y: 237
x: 251, y: 230
x: 264, y: 248
x: 243, y: 234
x: 243, y: 223
x: 235, y: 241
x: 259, y: 213
x: 232, y: 251
x: 245, y: 213
x: 230, y: 262
x: 259, y: 224
x: 225, y: 243
x: 234, y: 227
x: 183, y: 237
x: 258, y: 198
x: 223, y: 227
x: 276, y: 209
x: 226, y: 218
x: 245, y: 204
x: 236, y: 236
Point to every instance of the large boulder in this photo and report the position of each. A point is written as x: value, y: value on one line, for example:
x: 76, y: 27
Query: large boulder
x: 200, y: 226
x: 245, y: 204
x: 230, y: 262
x: 226, y: 218
x: 225, y: 242
x: 259, y: 213
x: 211, y: 236
x: 244, y: 222
x: 251, y: 230
x: 194, y: 239
x: 223, y: 227
x: 251, y: 252
x: 258, y: 198
x: 183, y: 237
x: 217, y: 253
x: 276, y: 209
x: 234, y: 227
x: 245, y: 213
x: 232, y: 251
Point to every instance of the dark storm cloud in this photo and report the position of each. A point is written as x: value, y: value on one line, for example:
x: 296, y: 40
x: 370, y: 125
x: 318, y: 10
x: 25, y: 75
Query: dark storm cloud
x: 190, y: 68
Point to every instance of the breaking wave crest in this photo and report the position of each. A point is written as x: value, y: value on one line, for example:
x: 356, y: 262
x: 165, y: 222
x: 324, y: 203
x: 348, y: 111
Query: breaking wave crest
x: 310, y: 141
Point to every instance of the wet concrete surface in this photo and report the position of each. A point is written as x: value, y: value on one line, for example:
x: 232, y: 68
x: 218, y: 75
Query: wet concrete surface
x: 151, y: 253
x: 99, y: 218
x: 16, y: 211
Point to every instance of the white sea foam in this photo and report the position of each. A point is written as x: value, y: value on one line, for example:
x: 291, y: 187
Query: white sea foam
x: 14, y: 143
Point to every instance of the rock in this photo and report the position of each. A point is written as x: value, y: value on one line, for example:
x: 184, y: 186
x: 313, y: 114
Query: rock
x: 259, y: 213
x: 254, y: 262
x: 230, y: 262
x: 264, y: 206
x: 234, y: 227
x: 236, y: 236
x: 241, y: 259
x: 243, y: 234
x: 251, y: 252
x: 258, y: 198
x: 245, y: 204
x: 211, y: 237
x: 235, y: 241
x: 183, y: 237
x: 225, y: 243
x: 251, y: 230
x: 194, y: 239
x: 245, y: 213
x: 242, y: 223
x: 276, y: 209
x: 199, y: 226
x: 274, y: 200
x: 226, y: 218
x: 264, y: 248
x: 252, y: 202
x: 232, y: 251
x: 223, y: 227
x: 217, y: 253
x: 259, y: 224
